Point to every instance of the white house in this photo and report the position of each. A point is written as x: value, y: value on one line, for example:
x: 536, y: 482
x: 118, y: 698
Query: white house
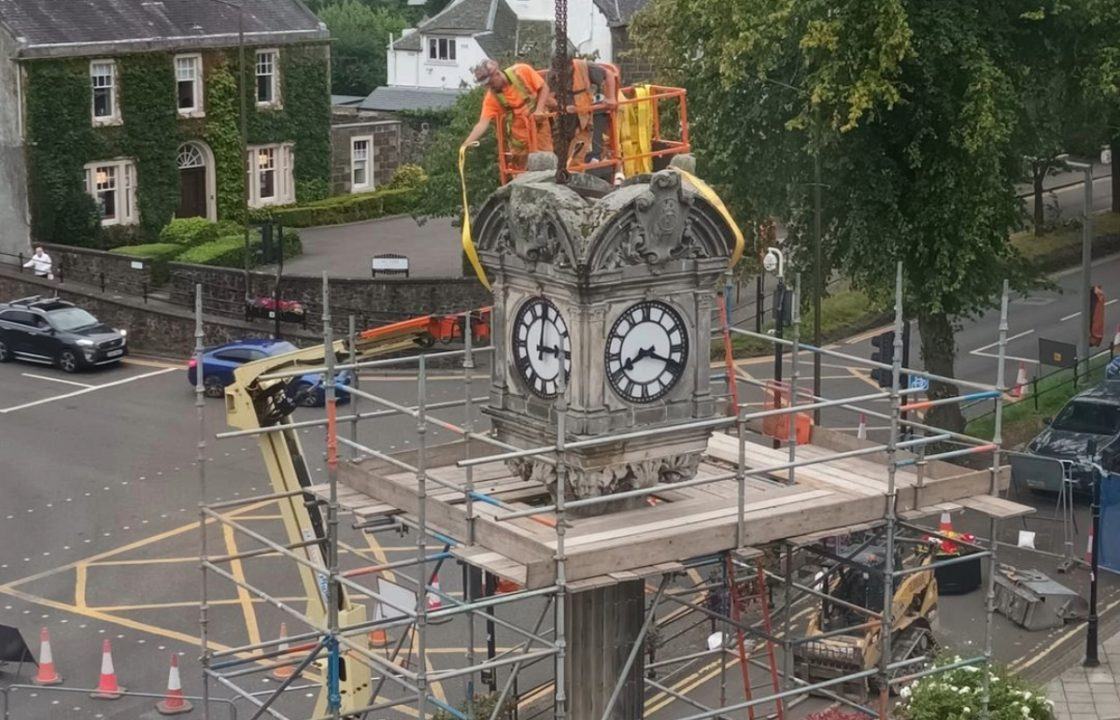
x: 441, y: 51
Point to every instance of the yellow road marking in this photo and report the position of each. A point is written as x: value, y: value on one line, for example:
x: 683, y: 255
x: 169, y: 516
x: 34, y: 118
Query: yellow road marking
x: 687, y: 685
x: 185, y: 603
x: 1020, y: 666
x: 862, y: 375
x: 238, y: 572
x: 80, y: 586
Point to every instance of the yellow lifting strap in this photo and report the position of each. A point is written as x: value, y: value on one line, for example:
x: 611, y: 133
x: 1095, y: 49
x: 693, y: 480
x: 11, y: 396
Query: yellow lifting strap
x: 708, y: 194
x: 468, y: 243
x: 636, y: 133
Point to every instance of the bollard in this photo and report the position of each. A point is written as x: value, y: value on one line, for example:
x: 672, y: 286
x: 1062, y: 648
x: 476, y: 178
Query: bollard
x: 102, y: 277
x: 144, y: 290
x: 20, y: 260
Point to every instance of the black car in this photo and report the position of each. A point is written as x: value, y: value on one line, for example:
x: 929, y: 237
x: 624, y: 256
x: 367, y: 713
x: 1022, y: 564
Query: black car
x: 1091, y: 418
x: 56, y: 332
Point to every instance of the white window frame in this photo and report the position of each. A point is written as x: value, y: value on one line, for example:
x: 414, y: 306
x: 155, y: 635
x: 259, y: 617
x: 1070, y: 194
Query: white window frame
x: 275, y: 102
x: 124, y: 172
x: 114, y: 117
x: 369, y: 180
x: 433, y: 45
x: 197, y: 110
x: 283, y: 183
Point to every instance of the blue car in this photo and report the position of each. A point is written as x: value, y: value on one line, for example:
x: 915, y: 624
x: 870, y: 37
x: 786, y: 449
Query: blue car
x: 220, y: 361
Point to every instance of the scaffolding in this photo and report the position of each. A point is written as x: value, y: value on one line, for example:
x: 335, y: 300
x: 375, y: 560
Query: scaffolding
x: 741, y: 573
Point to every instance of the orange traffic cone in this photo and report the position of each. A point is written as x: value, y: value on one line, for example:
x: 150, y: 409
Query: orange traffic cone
x: 47, y: 675
x: 107, y: 687
x: 1020, y: 388
x: 174, y: 703
x: 861, y: 431
x: 378, y: 638
x: 283, y: 668
x: 507, y: 586
x: 434, y: 601
x: 946, y: 525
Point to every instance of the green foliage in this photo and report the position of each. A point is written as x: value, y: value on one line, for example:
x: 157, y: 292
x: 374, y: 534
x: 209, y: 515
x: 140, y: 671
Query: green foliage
x: 442, y: 196
x: 483, y: 706
x: 359, y: 34
x: 61, y: 139
x: 955, y: 695
x: 408, y: 176
x: 229, y: 251
x: 343, y: 208
x: 189, y: 231
x: 224, y: 138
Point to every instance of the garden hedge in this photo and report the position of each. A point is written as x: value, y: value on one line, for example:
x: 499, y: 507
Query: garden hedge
x: 189, y: 231
x: 229, y: 251
x: 343, y: 208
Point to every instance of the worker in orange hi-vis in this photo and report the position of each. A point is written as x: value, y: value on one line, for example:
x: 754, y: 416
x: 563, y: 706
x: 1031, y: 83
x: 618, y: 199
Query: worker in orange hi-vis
x: 513, y: 98
x: 594, y: 99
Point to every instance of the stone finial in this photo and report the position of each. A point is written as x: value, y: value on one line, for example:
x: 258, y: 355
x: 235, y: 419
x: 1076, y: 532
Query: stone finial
x: 540, y: 161
x: 684, y: 161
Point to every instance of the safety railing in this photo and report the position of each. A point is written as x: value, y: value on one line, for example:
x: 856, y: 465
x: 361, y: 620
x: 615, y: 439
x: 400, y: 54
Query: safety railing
x: 647, y: 132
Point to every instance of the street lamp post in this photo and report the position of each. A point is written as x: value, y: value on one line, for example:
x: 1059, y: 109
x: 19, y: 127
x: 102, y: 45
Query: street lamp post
x: 1092, y: 626
x: 1086, y: 256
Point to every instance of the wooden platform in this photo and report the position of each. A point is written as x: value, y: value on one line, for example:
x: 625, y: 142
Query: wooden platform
x: 825, y: 499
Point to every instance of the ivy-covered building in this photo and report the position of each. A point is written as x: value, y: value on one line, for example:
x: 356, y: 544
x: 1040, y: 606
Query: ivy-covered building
x: 117, y: 115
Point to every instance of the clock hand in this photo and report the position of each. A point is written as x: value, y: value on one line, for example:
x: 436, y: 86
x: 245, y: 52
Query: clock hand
x: 668, y: 361
x: 642, y: 354
x: 550, y: 349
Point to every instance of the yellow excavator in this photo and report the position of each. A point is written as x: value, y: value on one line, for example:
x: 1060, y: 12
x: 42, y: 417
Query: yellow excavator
x: 253, y: 403
x: 830, y: 652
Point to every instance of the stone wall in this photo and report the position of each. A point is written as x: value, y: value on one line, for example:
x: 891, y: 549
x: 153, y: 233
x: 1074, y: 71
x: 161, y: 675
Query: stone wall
x: 87, y: 266
x: 386, y: 149
x: 634, y: 67
x: 372, y: 302
x: 155, y: 327
x: 15, y: 232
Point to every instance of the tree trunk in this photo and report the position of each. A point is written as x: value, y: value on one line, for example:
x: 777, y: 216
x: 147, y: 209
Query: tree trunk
x: 1038, y: 174
x: 1114, y: 145
x: 938, y: 351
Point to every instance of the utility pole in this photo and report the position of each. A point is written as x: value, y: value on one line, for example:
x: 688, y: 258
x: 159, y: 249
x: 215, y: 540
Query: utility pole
x: 818, y: 278
x: 1086, y: 256
x: 1092, y: 626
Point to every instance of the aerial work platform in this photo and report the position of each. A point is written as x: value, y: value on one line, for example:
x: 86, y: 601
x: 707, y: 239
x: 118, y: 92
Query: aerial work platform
x: 677, y: 524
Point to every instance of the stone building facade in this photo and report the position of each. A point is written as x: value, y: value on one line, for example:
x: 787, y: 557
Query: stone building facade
x: 365, y: 151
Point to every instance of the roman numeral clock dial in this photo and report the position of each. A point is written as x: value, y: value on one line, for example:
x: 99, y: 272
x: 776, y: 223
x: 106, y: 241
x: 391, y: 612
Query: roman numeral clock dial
x: 647, y: 351
x: 540, y: 340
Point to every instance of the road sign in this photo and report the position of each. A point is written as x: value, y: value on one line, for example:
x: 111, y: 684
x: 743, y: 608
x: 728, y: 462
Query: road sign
x: 1056, y: 354
x: 389, y: 263
x: 919, y: 383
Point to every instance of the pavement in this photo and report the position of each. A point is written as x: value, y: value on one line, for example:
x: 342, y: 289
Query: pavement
x: 1081, y: 693
x: 345, y: 251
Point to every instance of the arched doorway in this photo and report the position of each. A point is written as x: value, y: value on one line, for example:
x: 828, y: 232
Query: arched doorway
x: 196, y: 181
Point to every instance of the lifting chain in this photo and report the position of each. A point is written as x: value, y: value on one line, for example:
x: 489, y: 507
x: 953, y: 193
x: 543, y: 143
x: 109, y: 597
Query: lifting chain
x: 563, y: 129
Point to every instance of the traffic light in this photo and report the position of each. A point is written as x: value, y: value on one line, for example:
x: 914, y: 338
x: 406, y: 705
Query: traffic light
x: 883, y: 353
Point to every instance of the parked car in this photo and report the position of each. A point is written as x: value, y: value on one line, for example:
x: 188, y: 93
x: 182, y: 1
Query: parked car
x: 55, y: 332
x: 220, y: 361
x: 1091, y: 416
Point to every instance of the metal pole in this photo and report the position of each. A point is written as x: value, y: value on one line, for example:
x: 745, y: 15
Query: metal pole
x: 561, y: 696
x: 892, y: 499
x: 993, y: 489
x: 244, y: 121
x: 794, y: 375
x: 1092, y: 627
x: 200, y: 461
x: 334, y: 595
x: 818, y: 275
x: 787, y: 618
x: 468, y: 570
x: 355, y: 414
x: 421, y: 541
x: 1086, y: 266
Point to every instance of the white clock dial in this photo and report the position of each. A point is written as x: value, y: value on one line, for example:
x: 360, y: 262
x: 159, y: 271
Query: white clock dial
x: 539, y: 340
x: 647, y: 351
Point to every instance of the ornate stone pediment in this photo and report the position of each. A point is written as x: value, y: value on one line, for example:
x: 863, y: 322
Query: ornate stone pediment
x: 583, y: 227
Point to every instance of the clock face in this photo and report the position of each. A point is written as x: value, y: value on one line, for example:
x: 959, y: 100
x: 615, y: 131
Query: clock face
x: 540, y: 337
x: 647, y: 350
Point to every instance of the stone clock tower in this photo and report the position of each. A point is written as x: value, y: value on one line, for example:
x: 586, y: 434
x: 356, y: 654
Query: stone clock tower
x: 615, y: 287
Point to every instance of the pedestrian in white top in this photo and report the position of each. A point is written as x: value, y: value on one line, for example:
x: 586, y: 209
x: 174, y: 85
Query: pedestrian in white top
x: 40, y: 263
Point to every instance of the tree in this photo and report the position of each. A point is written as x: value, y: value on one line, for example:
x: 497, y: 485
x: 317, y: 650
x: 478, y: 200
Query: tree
x: 442, y: 195
x: 360, y: 36
x: 912, y: 106
x: 1101, y: 81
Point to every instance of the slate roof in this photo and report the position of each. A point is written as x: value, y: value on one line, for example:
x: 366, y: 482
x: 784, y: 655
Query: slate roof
x: 465, y: 17
x: 391, y: 98
x: 620, y: 12
x: 76, y: 28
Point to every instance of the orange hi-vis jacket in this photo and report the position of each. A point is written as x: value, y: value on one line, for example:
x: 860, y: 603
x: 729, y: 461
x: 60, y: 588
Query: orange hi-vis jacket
x: 515, y: 105
x: 581, y: 88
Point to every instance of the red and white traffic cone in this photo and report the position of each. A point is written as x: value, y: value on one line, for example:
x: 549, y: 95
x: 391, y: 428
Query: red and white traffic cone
x: 47, y: 675
x: 283, y: 669
x: 1116, y: 337
x: 107, y: 686
x: 174, y: 703
x: 434, y: 601
x: 861, y: 431
x: 945, y: 526
x: 1020, y: 388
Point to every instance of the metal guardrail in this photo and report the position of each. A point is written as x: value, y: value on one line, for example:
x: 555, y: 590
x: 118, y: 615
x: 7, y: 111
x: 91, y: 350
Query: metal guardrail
x: 60, y: 270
